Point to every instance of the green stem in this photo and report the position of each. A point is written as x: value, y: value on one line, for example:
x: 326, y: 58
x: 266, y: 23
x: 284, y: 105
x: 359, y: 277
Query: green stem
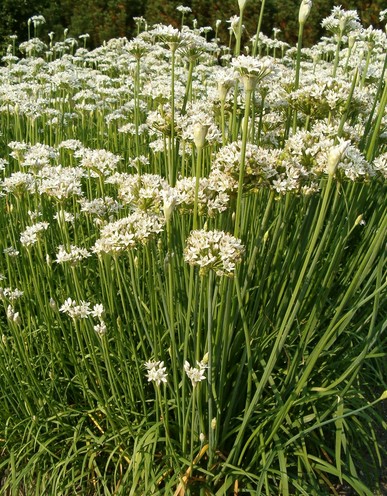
x: 258, y: 28
x: 298, y: 66
x: 248, y: 94
x: 209, y: 370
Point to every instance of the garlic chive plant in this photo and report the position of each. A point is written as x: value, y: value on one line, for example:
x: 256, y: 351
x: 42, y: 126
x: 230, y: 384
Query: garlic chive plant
x: 192, y: 261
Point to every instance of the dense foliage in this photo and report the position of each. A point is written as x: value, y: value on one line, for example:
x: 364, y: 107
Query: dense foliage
x: 192, y: 261
x: 103, y: 20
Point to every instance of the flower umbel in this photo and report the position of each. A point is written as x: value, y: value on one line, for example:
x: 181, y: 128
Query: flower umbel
x: 195, y: 374
x: 213, y: 250
x: 156, y: 372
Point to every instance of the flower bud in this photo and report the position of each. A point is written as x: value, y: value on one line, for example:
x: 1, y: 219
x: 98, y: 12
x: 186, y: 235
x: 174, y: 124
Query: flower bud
x: 213, y: 423
x: 242, y: 4
x: 200, y: 133
x: 168, y: 207
x: 359, y: 220
x: 335, y: 156
x: 305, y: 8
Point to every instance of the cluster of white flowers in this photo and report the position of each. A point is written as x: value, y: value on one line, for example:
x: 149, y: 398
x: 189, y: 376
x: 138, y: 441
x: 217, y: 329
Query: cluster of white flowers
x: 63, y: 216
x: 72, y: 256
x: 213, y: 250
x: 100, y: 207
x: 60, y: 182
x: 38, y: 156
x: 342, y: 21
x: 126, y: 233
x: 100, y: 161
x: 252, y: 70
x: 260, y: 163
x: 199, y: 119
x: 306, y: 153
x: 380, y: 164
x: 82, y: 310
x: 156, y: 372
x: 19, y: 183
x: 144, y: 192
x: 10, y: 251
x: 9, y: 294
x: 30, y: 235
x: 214, y: 193
x: 196, y: 374
x: 76, y: 310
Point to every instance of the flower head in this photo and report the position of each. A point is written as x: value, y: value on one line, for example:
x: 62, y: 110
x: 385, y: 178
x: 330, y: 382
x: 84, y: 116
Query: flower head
x: 213, y: 250
x: 156, y: 372
x: 195, y: 374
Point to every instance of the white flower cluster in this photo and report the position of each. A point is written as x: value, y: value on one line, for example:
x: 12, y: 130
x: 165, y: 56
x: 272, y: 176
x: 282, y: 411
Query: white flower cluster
x: 195, y: 374
x: 262, y: 165
x: 82, y: 310
x: 213, y: 250
x: 60, y: 182
x: 10, y: 295
x: 341, y: 21
x: 72, y: 256
x: 251, y: 69
x: 198, y: 117
x: 38, y: 156
x: 144, y: 192
x: 100, y: 207
x: 31, y: 235
x: 128, y: 232
x: 213, y: 195
x: 100, y: 161
x: 156, y: 372
x: 380, y: 164
x: 19, y: 183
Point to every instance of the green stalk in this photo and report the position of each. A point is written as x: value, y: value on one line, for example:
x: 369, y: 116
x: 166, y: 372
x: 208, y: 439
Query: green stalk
x: 188, y: 89
x: 197, y: 183
x: 287, y: 322
x: 211, y: 446
x: 239, y: 34
x: 258, y: 28
x: 238, y: 212
x: 172, y: 171
x: 298, y: 66
x: 337, y: 53
x: 371, y: 151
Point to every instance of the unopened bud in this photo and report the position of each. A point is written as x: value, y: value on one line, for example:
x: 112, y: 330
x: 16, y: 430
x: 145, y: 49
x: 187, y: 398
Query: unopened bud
x: 335, y: 156
x: 168, y: 207
x: 213, y: 423
x: 305, y: 8
x: 200, y: 133
x: 242, y: 4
